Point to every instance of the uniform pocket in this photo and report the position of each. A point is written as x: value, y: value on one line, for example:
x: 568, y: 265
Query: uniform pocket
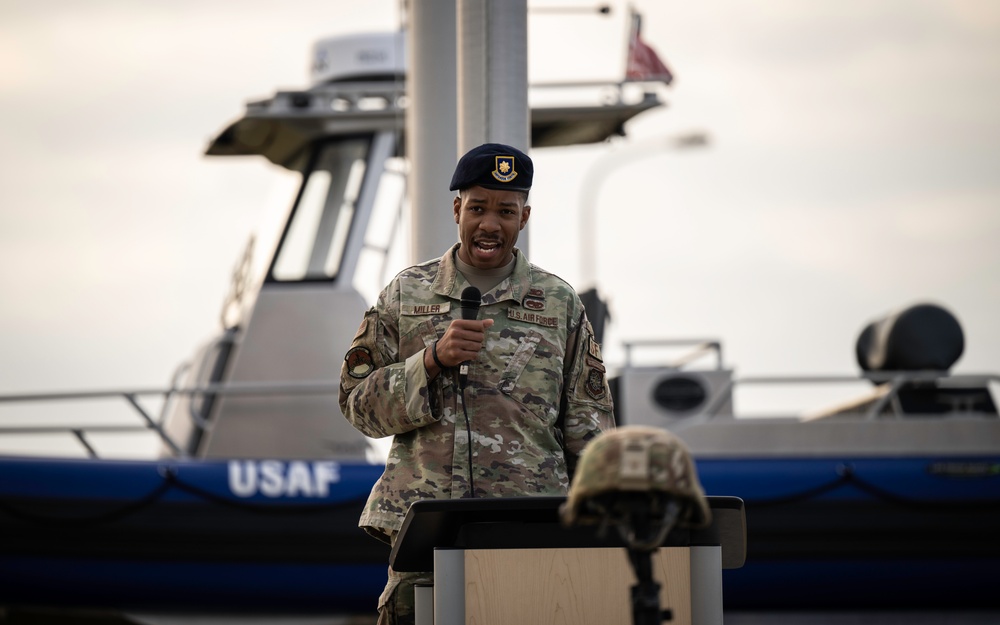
x: 532, y: 376
x: 418, y: 334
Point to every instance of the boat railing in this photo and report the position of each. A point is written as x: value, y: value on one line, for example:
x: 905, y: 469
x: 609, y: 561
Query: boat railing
x: 146, y: 421
x: 697, y: 348
x: 877, y: 404
x: 969, y: 392
x: 888, y: 385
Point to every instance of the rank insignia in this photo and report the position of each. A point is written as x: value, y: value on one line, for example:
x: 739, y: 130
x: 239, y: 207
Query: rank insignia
x: 504, y: 171
x: 595, y: 384
x: 359, y: 362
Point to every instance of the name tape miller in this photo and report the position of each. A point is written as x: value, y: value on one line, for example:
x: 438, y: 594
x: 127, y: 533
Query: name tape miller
x: 426, y: 309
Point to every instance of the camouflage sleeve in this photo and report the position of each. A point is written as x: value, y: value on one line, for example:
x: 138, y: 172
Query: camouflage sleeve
x: 587, y: 406
x: 382, y: 394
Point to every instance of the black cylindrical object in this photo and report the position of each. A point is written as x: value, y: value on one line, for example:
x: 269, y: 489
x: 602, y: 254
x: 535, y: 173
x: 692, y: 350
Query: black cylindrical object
x: 919, y: 338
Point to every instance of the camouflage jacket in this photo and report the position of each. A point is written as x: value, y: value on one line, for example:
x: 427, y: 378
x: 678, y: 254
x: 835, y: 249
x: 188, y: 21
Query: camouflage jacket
x: 536, y: 394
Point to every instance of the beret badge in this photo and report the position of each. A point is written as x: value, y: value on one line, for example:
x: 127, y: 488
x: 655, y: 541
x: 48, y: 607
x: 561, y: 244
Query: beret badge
x: 504, y: 171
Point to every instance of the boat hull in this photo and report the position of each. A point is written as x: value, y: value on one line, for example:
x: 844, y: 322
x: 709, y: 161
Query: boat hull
x: 282, y: 536
x: 186, y: 536
x: 862, y: 532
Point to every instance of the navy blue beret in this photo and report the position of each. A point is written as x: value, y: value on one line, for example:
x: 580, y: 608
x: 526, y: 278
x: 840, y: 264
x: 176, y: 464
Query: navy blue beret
x: 494, y: 166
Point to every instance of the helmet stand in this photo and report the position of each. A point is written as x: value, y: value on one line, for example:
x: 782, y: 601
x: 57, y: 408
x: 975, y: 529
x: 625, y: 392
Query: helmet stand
x: 643, y: 523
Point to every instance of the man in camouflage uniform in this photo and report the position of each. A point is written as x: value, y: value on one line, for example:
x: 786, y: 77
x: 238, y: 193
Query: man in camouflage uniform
x: 536, y: 389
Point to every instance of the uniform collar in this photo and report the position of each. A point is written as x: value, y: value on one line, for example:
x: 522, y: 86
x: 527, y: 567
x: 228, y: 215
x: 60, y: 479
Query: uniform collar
x: 450, y: 282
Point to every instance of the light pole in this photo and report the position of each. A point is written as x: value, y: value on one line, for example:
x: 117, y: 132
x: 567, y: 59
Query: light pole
x: 596, y: 176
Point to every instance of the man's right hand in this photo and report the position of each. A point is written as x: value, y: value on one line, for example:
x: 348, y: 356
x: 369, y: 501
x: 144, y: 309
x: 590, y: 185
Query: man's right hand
x: 461, y: 342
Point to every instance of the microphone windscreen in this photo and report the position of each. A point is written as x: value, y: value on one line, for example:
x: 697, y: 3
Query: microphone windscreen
x: 471, y: 298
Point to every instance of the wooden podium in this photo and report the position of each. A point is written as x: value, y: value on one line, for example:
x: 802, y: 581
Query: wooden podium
x: 511, y: 562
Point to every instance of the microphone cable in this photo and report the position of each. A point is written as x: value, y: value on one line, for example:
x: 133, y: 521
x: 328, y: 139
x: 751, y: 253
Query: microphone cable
x: 468, y: 431
x: 470, y: 302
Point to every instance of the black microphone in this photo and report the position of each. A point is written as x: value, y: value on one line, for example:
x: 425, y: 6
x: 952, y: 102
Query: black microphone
x: 471, y: 299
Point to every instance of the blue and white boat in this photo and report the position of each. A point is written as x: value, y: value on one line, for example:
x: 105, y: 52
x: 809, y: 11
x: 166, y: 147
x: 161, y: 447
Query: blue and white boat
x: 251, y: 505
x: 888, y: 502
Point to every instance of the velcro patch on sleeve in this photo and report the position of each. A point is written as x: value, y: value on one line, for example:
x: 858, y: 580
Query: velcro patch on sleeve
x: 360, y: 363
x: 594, y: 349
x: 594, y: 384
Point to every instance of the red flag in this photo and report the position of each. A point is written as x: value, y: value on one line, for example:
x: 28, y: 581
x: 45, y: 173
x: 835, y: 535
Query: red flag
x: 643, y: 62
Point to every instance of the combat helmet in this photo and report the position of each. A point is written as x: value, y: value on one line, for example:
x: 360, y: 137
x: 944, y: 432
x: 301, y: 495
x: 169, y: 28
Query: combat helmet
x: 636, y: 470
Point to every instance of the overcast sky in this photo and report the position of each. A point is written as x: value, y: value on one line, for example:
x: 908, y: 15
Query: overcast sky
x: 853, y: 167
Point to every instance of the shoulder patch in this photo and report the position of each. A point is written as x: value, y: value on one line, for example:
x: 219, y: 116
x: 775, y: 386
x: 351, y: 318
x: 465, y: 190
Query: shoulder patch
x: 364, y: 325
x: 360, y: 363
x: 595, y: 383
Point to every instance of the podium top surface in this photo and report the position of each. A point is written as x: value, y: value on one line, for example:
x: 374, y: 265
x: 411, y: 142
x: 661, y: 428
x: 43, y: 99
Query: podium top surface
x: 533, y: 522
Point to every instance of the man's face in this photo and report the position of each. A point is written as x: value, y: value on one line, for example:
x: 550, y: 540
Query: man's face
x: 488, y: 222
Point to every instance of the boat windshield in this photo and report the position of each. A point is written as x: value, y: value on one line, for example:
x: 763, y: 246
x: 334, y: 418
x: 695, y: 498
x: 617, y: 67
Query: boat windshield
x: 313, y: 243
